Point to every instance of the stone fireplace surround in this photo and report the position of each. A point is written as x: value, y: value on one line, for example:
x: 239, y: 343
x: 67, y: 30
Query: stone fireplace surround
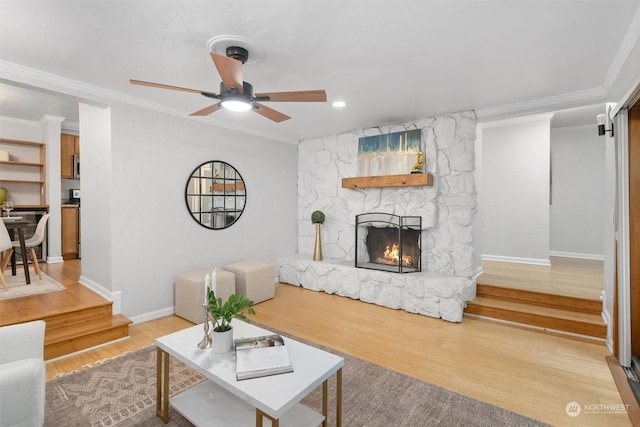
x: 447, y: 209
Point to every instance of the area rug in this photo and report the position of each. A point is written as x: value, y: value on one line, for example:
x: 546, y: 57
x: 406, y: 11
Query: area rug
x: 18, y: 286
x: 122, y: 392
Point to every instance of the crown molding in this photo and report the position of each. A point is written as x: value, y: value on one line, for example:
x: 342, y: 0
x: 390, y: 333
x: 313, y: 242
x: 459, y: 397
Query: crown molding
x: 47, y: 119
x: 558, y: 102
x: 543, y: 117
x: 629, y: 41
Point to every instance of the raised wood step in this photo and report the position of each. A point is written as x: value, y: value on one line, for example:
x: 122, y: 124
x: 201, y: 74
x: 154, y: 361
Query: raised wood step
x: 540, y: 298
x: 67, y: 339
x: 73, y: 316
x: 588, y: 324
x: 77, y: 318
x: 561, y: 313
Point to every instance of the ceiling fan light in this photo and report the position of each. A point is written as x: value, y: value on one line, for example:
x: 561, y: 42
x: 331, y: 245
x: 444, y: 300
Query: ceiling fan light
x: 236, y: 105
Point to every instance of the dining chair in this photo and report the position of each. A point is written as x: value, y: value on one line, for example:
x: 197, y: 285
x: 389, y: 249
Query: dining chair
x: 6, y: 250
x: 34, y: 241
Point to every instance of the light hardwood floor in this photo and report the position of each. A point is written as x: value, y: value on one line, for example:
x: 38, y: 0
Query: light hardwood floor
x: 530, y: 372
x: 573, y: 277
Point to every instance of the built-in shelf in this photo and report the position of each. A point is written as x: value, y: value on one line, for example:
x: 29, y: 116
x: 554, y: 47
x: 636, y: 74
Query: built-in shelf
x: 408, y: 180
x: 38, y: 165
x: 24, y: 173
x: 22, y: 181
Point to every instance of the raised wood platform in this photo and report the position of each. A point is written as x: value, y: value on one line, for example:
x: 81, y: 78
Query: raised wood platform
x: 77, y: 318
x: 555, y: 312
x: 563, y: 296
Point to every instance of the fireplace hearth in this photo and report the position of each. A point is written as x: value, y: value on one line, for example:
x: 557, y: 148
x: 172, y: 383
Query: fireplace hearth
x: 388, y: 242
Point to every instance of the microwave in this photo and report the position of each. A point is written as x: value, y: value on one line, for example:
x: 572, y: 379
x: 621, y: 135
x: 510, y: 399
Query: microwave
x: 76, y: 165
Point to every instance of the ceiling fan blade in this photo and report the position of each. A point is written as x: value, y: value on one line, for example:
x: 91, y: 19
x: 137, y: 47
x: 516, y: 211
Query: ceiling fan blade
x: 206, y: 111
x: 163, y: 86
x: 230, y: 71
x: 270, y: 113
x: 296, y: 96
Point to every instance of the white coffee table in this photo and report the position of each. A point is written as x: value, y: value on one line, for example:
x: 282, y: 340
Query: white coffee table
x: 224, y: 401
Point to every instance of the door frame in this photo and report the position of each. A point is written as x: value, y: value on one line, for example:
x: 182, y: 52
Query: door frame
x: 623, y: 306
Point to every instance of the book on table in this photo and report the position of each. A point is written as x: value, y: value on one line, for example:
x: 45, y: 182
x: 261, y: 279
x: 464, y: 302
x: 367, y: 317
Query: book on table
x: 261, y: 356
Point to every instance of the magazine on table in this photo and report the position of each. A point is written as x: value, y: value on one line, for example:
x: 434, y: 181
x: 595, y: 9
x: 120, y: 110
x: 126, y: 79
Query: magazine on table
x: 261, y: 356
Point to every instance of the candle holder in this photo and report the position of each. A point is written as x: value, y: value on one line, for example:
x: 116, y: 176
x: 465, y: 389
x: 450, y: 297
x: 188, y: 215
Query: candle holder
x: 207, y: 339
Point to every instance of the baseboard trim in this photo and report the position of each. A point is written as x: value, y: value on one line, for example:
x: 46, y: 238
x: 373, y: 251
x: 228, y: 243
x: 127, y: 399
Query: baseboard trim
x: 595, y: 257
x: 114, y: 297
x: 168, y: 311
x: 518, y: 260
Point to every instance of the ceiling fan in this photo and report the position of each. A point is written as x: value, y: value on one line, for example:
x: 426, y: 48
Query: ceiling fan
x: 236, y: 94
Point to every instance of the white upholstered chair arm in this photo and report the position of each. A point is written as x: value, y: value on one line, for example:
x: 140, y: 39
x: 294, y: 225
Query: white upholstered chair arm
x: 22, y: 341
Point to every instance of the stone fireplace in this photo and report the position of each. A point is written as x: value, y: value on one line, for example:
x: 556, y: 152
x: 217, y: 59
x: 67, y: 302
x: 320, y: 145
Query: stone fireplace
x: 446, y: 210
x: 388, y: 242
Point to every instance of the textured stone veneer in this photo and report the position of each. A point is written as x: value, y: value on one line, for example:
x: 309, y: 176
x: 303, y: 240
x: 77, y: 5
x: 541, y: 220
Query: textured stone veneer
x: 432, y: 294
x: 447, y: 209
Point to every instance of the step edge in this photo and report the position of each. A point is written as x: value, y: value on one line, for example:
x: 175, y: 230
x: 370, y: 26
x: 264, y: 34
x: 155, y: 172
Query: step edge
x: 601, y: 328
x: 597, y: 318
x: 533, y: 297
x: 84, y: 340
x: 60, y: 334
x: 527, y: 307
x: 537, y: 328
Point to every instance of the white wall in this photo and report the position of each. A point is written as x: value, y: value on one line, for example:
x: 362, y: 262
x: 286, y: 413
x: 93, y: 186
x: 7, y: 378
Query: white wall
x: 51, y: 129
x: 578, y: 193
x: 138, y: 242
x: 514, y: 199
x: 20, y: 129
x: 95, y: 210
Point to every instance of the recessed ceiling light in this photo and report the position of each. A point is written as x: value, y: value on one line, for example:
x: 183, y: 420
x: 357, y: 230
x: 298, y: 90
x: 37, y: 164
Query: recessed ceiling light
x: 339, y: 104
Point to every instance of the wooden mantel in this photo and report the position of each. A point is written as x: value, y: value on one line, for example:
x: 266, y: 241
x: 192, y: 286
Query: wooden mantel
x: 408, y: 180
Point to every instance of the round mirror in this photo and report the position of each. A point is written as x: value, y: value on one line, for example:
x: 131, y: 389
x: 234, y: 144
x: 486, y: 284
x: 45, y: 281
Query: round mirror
x: 215, y: 195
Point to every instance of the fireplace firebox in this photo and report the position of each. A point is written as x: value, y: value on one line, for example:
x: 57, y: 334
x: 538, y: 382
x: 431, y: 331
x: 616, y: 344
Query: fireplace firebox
x: 389, y: 242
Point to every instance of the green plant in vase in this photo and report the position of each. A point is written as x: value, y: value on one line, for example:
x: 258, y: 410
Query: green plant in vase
x: 233, y: 308
x: 317, y: 217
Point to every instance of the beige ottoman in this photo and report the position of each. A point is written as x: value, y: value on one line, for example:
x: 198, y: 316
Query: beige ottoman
x: 254, y: 279
x: 189, y: 295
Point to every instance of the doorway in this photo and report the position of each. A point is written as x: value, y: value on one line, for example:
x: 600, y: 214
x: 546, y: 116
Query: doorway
x: 539, y: 230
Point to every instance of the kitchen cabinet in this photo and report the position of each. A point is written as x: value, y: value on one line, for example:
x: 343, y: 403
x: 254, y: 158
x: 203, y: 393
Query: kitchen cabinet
x: 24, y: 173
x: 69, y: 145
x: 70, y: 231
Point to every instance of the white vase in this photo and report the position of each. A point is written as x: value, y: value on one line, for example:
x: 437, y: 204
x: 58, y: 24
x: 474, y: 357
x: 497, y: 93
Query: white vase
x: 222, y: 341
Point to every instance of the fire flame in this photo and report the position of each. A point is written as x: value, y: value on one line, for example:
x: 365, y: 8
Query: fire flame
x: 392, y: 256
